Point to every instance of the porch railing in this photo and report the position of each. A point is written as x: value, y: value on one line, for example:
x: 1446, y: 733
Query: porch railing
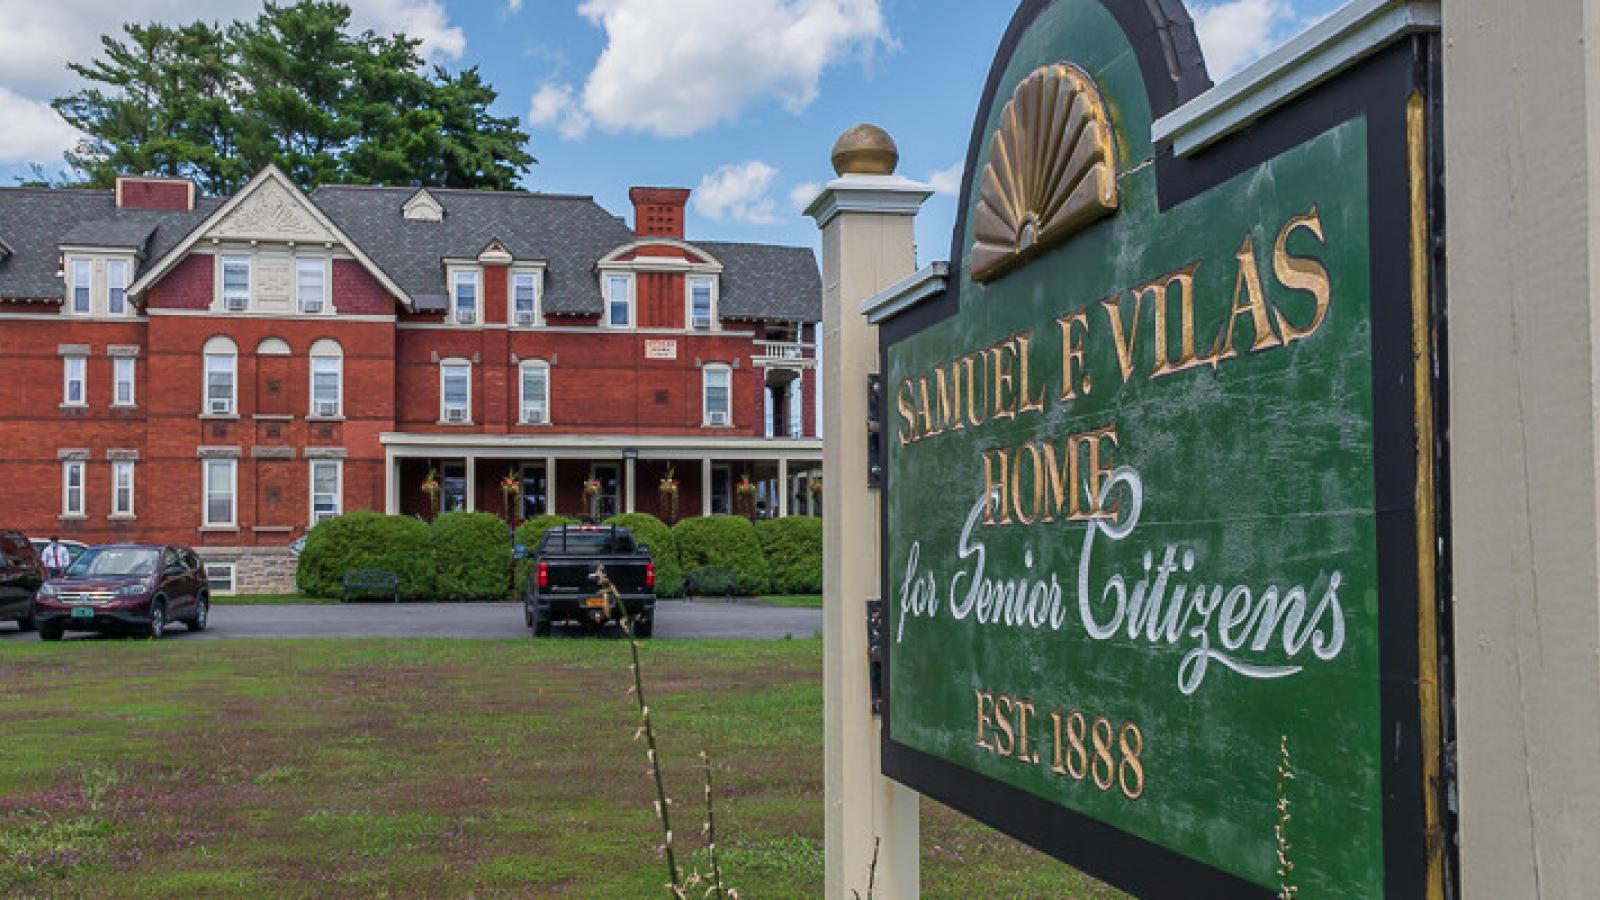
x: 797, y: 353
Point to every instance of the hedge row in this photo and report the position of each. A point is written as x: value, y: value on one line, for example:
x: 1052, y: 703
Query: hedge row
x: 461, y: 556
x: 467, y: 556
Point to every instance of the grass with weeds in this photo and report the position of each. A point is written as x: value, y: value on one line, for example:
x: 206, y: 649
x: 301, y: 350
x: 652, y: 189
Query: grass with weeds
x: 268, y: 600
x: 797, y: 601
x: 429, y: 768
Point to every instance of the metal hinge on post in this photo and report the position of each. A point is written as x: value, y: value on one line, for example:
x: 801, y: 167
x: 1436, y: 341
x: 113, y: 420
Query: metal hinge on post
x: 875, y: 652
x: 874, y: 430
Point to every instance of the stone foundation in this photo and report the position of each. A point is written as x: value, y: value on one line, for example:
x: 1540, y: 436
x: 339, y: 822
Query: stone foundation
x: 256, y: 570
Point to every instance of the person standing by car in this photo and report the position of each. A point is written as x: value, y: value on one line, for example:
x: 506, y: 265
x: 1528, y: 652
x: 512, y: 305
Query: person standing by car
x: 55, y: 557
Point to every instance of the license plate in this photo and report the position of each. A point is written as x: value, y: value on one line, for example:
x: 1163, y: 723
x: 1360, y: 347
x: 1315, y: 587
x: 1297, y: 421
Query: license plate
x: 82, y: 612
x: 595, y: 601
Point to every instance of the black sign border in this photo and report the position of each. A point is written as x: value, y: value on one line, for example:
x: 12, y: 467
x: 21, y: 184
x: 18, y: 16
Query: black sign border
x: 1379, y: 87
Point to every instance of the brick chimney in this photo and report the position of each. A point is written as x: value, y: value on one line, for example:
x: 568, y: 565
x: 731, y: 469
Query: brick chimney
x: 658, y: 211
x: 151, y: 192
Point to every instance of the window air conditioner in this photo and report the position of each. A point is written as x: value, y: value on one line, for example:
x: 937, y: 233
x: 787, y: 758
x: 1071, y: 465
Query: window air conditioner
x: 236, y: 303
x: 524, y: 317
x: 466, y: 316
x: 716, y: 418
x: 702, y: 323
x: 311, y: 306
x: 220, y: 407
x: 327, y: 408
x: 455, y: 414
x: 533, y: 413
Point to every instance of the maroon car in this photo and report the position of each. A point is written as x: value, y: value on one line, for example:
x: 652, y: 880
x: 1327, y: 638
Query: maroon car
x: 125, y: 587
x: 21, y: 573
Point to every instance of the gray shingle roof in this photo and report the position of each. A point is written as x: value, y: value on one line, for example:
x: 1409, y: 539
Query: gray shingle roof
x: 35, y: 222
x: 570, y: 234
x: 767, y: 282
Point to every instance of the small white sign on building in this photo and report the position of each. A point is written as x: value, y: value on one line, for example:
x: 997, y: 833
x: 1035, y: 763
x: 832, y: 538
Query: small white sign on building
x: 660, y: 349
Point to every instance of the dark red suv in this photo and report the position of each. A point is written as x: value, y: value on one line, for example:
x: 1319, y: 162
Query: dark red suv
x: 126, y: 587
x: 21, y: 573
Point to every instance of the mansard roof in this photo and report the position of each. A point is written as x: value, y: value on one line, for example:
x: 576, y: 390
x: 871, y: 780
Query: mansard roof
x: 35, y: 223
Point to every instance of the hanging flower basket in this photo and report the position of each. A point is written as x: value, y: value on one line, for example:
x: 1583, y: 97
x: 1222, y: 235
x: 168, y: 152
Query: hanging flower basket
x: 745, y: 497
x: 591, y: 497
x: 430, y: 489
x: 668, y: 492
x: 510, y: 492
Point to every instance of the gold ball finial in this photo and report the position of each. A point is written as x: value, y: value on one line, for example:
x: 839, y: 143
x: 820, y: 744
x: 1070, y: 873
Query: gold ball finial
x: 865, y: 150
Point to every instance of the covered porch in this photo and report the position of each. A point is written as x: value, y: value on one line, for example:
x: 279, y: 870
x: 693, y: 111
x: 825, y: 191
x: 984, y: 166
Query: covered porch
x: 551, y: 473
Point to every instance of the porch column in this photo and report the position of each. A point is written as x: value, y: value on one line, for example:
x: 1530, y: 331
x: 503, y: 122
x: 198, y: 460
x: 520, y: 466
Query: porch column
x: 472, y: 483
x: 705, y: 486
x: 811, y: 496
x: 550, y: 485
x: 627, y: 484
x: 783, y: 487
x: 391, y: 484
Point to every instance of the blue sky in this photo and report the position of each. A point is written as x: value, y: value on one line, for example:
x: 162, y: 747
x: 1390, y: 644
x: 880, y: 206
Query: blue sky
x: 739, y: 99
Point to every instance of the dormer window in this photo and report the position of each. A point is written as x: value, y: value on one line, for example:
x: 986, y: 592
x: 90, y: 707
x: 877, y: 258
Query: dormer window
x: 619, y: 301
x: 82, y: 276
x: 525, y: 298
x: 464, y: 297
x: 701, y: 302
x: 117, y: 286
x: 236, y: 283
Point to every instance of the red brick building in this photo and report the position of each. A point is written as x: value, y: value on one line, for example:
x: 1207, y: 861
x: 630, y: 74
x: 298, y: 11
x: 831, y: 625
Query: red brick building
x: 224, y: 372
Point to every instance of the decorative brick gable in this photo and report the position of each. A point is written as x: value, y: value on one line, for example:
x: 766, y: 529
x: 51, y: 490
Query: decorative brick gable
x: 188, y: 286
x: 356, y: 292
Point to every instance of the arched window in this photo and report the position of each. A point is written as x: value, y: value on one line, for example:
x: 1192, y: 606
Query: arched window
x: 273, y: 347
x: 535, y: 392
x: 221, y: 377
x: 327, y: 379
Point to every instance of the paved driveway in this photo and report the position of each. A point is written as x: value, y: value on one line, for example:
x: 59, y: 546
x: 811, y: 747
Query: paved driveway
x: 674, y: 619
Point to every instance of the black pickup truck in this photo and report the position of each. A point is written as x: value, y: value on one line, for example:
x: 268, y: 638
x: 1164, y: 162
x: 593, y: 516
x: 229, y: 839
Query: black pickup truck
x: 562, y: 588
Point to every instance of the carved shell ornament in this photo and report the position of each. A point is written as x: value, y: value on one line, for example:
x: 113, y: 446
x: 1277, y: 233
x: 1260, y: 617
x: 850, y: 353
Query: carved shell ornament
x: 1051, y: 172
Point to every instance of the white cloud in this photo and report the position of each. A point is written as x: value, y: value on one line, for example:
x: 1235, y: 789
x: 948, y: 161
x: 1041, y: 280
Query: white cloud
x: 803, y: 193
x: 554, y: 104
x: 1236, y: 33
x: 37, y: 39
x: 739, y: 192
x: 947, y: 180
x: 513, y: 6
x: 33, y: 132
x: 674, y: 69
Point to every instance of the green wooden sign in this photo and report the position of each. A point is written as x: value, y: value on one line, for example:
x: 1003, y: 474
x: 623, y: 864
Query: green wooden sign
x: 1160, y: 559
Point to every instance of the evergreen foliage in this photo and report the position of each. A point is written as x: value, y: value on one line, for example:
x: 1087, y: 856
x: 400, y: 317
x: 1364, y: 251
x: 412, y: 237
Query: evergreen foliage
x: 648, y: 529
x: 793, y: 546
x: 366, y: 540
x: 471, y: 556
x: 725, y: 542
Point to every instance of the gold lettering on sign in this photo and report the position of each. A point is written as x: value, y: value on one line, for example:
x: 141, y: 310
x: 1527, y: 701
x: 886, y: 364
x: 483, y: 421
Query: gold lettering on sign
x: 1184, y: 280
x: 1123, y: 338
x: 1072, y: 354
x: 1301, y: 273
x: 1248, y: 297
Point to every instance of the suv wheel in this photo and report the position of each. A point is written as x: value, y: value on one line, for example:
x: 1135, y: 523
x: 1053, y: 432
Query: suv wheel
x: 50, y: 632
x: 27, y: 622
x: 541, y: 625
x: 202, y: 612
x: 158, y: 621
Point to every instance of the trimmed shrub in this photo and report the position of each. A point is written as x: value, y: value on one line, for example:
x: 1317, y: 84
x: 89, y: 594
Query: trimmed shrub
x: 528, y: 535
x: 472, y: 556
x: 793, y: 545
x: 648, y: 529
x: 727, y: 542
x: 366, y: 540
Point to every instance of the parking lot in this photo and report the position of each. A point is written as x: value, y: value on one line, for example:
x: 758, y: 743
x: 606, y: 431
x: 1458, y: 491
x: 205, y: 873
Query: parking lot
x: 674, y: 619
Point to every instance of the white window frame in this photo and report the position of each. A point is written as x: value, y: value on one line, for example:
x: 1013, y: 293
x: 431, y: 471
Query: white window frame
x: 710, y: 281
x: 457, y: 276
x: 312, y: 519
x: 118, y: 469
x: 527, y: 367
x: 444, y: 417
x: 607, y: 279
x: 222, y: 279
x: 529, y: 276
x: 232, y: 468
x: 213, y: 569
x: 72, y: 506
x: 124, y: 371
x: 117, y: 287
x: 80, y: 273
x: 323, y: 351
x: 81, y: 363
x: 213, y: 350
x: 705, y: 394
x: 307, y: 263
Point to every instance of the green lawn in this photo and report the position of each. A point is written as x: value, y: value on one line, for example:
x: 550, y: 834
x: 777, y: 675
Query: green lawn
x: 266, y: 599
x: 803, y: 601
x: 432, y: 768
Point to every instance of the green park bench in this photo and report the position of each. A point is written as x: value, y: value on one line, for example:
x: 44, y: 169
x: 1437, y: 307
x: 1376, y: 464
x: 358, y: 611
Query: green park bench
x: 712, y: 581
x: 371, y: 583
